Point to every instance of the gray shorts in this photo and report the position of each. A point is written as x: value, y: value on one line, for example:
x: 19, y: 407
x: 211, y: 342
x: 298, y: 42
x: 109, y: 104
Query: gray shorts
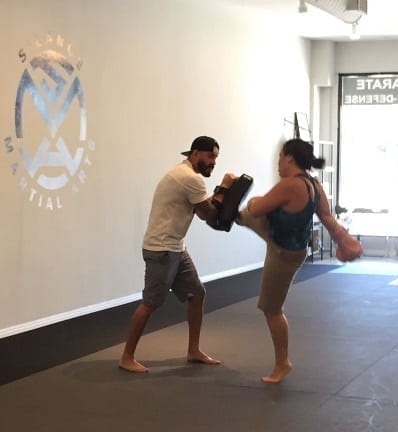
x: 165, y: 271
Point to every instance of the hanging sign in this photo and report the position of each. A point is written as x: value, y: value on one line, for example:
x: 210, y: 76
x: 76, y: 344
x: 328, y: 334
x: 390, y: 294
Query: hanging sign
x: 370, y: 90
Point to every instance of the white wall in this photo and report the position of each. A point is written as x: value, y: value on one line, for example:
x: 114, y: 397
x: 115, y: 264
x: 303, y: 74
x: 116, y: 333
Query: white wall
x: 155, y: 74
x: 367, y: 56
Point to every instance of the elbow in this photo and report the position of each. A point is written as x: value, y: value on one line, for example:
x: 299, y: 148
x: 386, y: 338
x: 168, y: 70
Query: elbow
x: 201, y: 215
x: 208, y: 216
x: 253, y: 207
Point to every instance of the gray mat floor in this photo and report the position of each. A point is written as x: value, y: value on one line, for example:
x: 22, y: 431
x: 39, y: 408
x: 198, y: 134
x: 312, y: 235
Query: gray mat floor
x: 344, y: 347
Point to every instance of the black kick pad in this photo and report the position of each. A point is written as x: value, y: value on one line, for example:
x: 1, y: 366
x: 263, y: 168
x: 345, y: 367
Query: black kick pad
x: 232, y: 199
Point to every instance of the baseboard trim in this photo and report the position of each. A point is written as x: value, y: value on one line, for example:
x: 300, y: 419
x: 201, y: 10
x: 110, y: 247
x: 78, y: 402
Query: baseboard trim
x: 231, y: 272
x: 54, y: 343
x: 42, y: 322
x: 75, y: 313
x: 76, y: 337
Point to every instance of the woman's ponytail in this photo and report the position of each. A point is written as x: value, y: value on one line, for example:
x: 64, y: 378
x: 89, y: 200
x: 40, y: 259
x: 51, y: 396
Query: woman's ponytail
x: 318, y: 163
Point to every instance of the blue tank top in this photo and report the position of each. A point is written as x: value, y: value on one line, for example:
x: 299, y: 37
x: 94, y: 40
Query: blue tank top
x: 293, y: 230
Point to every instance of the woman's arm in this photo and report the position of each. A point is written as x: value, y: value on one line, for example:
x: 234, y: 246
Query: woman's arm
x: 348, y: 248
x: 279, y: 196
x: 324, y: 213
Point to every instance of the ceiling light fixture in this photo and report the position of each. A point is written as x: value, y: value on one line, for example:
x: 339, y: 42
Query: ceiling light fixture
x: 354, y: 10
x: 348, y: 11
x: 302, y: 7
x: 354, y: 35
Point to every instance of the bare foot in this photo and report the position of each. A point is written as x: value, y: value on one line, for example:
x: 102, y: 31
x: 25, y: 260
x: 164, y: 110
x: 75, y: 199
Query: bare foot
x: 278, y: 374
x: 130, y: 365
x: 201, y: 357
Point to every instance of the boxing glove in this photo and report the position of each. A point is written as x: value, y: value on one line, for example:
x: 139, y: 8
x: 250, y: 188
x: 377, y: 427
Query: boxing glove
x: 348, y: 248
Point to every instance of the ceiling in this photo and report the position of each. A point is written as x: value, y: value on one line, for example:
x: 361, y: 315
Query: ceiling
x: 380, y: 22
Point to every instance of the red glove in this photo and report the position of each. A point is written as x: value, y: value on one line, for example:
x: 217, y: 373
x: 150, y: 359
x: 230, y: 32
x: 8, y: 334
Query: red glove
x: 348, y: 248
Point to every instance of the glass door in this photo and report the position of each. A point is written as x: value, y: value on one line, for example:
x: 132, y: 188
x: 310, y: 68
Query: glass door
x: 367, y: 168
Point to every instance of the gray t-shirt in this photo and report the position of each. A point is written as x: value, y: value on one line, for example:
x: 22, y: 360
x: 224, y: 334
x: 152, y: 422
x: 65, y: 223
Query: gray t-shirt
x: 173, y: 208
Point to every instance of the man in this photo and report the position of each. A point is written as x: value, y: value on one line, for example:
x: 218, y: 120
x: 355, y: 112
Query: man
x: 180, y: 194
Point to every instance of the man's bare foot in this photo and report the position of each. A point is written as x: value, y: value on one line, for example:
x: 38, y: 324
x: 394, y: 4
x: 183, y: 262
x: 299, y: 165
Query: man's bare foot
x: 278, y: 374
x: 130, y: 365
x: 201, y: 357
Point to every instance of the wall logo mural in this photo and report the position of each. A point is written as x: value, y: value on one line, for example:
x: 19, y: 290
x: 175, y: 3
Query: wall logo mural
x: 50, y: 147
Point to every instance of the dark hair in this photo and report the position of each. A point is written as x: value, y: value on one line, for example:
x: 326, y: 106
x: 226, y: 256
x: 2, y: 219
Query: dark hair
x: 302, y: 153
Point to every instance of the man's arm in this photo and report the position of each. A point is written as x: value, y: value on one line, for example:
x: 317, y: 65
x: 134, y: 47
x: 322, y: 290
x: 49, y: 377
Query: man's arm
x: 208, y: 210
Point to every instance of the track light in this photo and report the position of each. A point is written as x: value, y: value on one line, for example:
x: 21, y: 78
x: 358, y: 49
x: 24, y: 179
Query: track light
x: 354, y: 35
x: 302, y: 7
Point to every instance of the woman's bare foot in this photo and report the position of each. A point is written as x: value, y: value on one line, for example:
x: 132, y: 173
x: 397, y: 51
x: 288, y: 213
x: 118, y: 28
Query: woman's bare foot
x: 278, y: 374
x: 201, y: 357
x: 129, y: 364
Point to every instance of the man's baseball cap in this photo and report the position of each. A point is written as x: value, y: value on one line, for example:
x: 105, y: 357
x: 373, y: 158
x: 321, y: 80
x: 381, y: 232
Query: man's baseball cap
x: 202, y: 143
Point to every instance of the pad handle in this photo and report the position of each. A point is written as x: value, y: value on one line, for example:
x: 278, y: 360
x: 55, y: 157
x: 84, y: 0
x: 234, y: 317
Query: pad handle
x: 229, y: 209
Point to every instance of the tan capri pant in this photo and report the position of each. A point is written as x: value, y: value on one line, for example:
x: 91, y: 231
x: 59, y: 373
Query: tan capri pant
x: 280, y: 265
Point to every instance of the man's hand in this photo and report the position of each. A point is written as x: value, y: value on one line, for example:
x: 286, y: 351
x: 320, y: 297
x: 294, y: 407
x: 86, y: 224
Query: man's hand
x: 206, y: 210
x: 226, y: 183
x: 228, y: 179
x: 231, y: 198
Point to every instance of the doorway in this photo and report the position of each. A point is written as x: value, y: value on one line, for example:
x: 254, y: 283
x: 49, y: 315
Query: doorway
x: 367, y: 167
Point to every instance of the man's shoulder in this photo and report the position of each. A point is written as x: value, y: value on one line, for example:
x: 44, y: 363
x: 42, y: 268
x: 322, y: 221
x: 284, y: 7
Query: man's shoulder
x: 184, y: 172
x: 183, y: 167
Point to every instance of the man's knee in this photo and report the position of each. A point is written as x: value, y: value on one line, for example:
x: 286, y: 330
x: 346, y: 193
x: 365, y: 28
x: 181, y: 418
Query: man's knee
x: 197, y: 299
x: 146, y: 309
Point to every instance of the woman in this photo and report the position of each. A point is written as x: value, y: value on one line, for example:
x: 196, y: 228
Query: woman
x: 283, y: 217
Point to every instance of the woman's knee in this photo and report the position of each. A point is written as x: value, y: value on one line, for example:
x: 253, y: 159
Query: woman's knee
x: 273, y: 315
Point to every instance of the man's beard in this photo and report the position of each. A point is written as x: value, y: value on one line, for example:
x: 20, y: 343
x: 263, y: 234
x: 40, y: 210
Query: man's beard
x: 204, y: 169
